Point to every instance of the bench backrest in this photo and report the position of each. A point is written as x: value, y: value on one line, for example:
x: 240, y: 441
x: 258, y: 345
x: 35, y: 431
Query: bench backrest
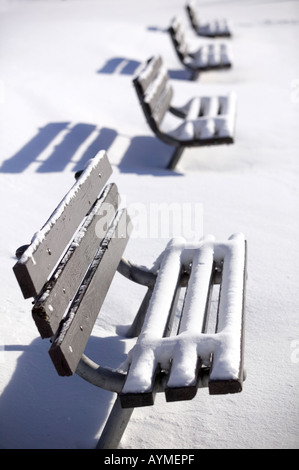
x: 190, y: 7
x: 154, y: 91
x: 178, y: 38
x: 70, y: 263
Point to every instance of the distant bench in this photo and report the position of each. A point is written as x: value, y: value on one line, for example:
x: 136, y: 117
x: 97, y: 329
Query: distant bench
x: 213, y: 29
x: 202, y: 120
x: 68, y: 269
x: 212, y: 56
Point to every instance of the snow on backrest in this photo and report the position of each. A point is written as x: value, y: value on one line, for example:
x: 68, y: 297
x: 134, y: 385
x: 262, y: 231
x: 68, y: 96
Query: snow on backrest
x: 48, y: 245
x: 157, y: 91
x: 149, y: 72
x: 179, y: 36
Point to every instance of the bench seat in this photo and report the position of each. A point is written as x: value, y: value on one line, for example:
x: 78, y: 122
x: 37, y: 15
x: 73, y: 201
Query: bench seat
x: 182, y: 356
x: 210, y: 56
x: 208, y: 118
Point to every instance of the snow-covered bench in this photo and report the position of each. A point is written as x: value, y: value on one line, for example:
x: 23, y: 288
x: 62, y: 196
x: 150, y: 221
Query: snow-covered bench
x: 192, y: 357
x: 68, y: 269
x: 212, y: 29
x: 201, y: 121
x: 212, y: 56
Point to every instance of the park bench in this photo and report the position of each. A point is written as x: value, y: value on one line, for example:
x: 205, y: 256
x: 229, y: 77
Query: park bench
x: 201, y: 121
x: 212, y: 56
x: 68, y: 269
x: 212, y: 29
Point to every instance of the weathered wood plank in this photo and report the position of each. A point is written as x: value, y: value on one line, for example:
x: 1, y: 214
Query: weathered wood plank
x: 152, y: 96
x: 226, y: 384
x: 38, y: 261
x: 187, y: 392
x: 146, y: 398
x: 72, y: 336
x: 148, y: 74
x: 54, y: 298
x: 153, y: 84
x: 136, y: 400
x: 162, y: 106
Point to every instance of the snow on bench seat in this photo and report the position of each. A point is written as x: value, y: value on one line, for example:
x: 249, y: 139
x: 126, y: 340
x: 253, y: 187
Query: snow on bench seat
x: 181, y: 356
x: 212, y: 28
x: 212, y: 55
x: 208, y: 118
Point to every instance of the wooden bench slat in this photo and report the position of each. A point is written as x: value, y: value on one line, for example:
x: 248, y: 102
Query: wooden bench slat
x: 183, y: 392
x: 194, y: 317
x: 197, y: 291
x: 38, y: 261
x: 153, y: 93
x: 179, y: 38
x: 54, y: 299
x: 192, y: 15
x: 146, y: 77
x: 163, y: 104
x: 70, y: 341
x: 219, y: 385
x: 153, y: 84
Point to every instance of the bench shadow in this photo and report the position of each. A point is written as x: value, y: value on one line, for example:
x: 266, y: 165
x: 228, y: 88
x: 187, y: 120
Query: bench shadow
x: 147, y: 155
x: 157, y: 29
x: 60, y: 141
x: 182, y: 74
x: 120, y: 65
x: 40, y: 410
x: 125, y: 66
x: 59, y: 144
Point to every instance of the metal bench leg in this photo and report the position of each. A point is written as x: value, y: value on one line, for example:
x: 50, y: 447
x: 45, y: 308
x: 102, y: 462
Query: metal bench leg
x: 115, y: 426
x: 136, y: 326
x: 175, y: 158
x: 195, y: 75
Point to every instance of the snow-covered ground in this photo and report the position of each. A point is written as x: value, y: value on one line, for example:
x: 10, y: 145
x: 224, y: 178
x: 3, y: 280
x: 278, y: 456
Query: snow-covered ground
x: 65, y: 92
